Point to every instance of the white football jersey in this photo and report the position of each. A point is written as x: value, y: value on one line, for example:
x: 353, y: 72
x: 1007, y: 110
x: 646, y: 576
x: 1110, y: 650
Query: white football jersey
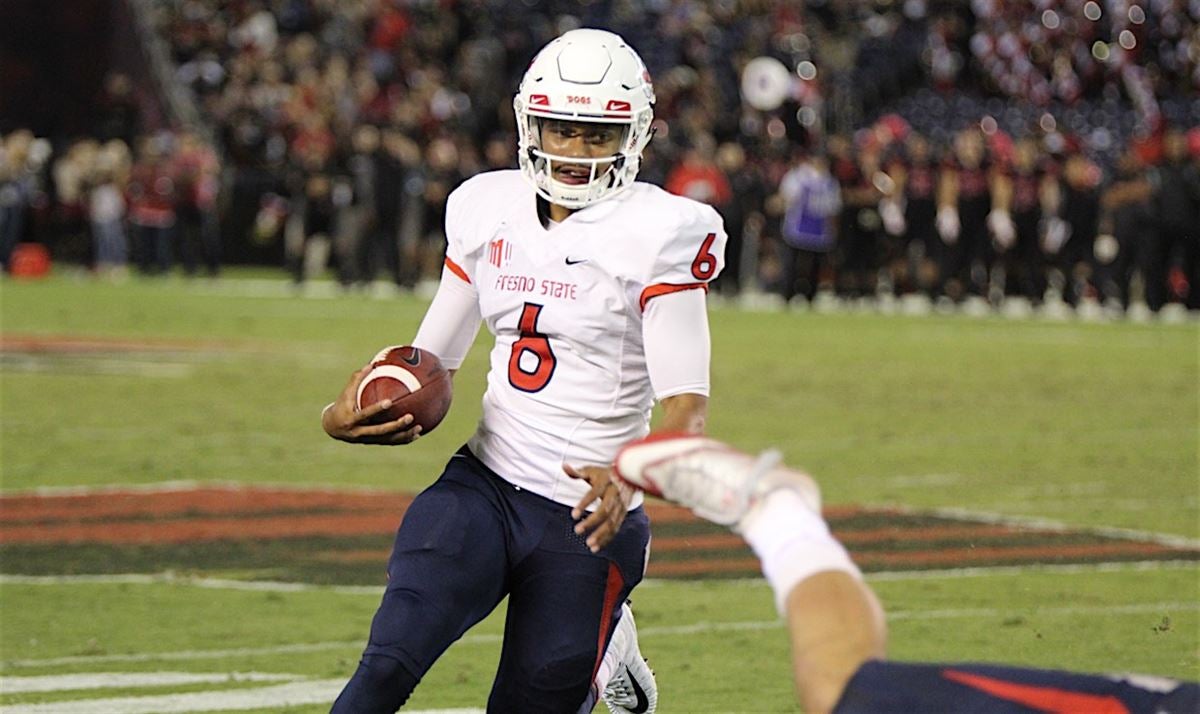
x: 568, y: 382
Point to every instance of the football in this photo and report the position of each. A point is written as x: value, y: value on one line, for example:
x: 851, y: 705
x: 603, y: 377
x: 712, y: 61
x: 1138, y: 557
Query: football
x: 415, y: 381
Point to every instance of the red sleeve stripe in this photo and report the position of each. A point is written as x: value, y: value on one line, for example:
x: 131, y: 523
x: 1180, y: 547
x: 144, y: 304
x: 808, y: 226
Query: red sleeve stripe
x: 663, y: 288
x: 457, y: 270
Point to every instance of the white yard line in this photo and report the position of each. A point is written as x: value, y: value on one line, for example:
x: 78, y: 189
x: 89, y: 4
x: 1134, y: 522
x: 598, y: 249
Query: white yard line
x: 104, y: 680
x: 169, y: 578
x: 1002, y: 519
x: 191, y: 485
x: 318, y: 691
x: 702, y: 628
x: 696, y: 628
x: 96, y: 365
x: 1142, y: 608
x: 186, y: 655
x: 1053, y: 569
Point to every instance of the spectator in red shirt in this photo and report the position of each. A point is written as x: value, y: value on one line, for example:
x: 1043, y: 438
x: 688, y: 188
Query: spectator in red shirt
x: 151, y: 200
x: 697, y: 176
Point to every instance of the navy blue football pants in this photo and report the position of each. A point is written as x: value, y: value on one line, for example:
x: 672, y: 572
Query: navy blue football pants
x: 465, y: 543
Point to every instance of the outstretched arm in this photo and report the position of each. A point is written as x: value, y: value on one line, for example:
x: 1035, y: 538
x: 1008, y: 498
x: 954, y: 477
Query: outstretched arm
x: 684, y: 414
x: 675, y: 332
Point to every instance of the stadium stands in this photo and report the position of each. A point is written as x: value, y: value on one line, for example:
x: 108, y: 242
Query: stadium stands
x: 283, y: 91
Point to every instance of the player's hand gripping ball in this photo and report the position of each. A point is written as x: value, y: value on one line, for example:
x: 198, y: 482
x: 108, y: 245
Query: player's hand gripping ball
x: 414, y: 380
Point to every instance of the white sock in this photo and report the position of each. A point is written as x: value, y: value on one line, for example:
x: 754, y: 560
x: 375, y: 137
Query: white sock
x: 792, y: 541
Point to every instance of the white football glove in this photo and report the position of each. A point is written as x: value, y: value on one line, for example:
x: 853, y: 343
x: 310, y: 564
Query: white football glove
x: 1106, y: 248
x: 893, y: 217
x: 948, y: 225
x: 1004, y: 231
x: 1056, y: 235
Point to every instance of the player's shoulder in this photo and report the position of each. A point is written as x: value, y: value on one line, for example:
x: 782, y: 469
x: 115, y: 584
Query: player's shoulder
x: 497, y: 187
x: 666, y: 234
x: 668, y: 215
x: 478, y: 205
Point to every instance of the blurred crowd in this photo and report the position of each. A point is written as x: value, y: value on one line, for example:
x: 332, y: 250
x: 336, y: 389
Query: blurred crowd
x: 1045, y: 50
x: 338, y: 127
x: 888, y: 212
x: 106, y: 205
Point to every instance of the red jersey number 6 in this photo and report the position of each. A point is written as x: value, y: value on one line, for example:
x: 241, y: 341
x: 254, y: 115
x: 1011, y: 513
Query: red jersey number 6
x: 536, y: 344
x: 705, y: 263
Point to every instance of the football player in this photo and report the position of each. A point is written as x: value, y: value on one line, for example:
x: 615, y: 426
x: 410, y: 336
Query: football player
x: 593, y: 286
x: 835, y: 621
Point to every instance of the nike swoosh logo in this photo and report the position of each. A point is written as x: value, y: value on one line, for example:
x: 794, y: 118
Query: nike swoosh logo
x: 642, y: 702
x: 576, y: 262
x: 413, y: 359
x: 1047, y: 699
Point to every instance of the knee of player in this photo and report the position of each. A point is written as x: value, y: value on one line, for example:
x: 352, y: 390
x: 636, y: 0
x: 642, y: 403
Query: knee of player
x: 555, y: 684
x: 819, y: 698
x: 381, y: 683
x: 380, y: 669
x: 550, y: 674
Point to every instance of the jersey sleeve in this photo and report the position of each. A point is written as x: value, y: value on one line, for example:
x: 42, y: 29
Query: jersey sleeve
x: 691, y: 256
x: 459, y: 227
x: 453, y: 318
x: 678, y: 350
x: 450, y: 324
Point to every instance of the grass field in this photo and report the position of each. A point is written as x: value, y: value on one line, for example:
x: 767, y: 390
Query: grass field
x: 1068, y: 435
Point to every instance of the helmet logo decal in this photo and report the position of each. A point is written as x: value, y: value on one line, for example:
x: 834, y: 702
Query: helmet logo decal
x: 616, y: 105
x: 579, y: 100
x: 539, y: 100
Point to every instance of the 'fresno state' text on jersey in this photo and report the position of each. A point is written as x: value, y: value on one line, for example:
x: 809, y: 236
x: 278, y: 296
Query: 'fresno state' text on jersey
x: 568, y: 381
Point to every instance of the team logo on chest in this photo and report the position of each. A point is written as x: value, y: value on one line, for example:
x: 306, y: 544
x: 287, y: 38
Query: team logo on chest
x: 499, y: 252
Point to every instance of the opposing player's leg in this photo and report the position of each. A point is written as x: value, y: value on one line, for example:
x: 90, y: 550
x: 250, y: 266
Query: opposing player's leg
x: 834, y: 619
x: 881, y: 687
x: 446, y: 572
x: 624, y: 675
x: 563, y: 606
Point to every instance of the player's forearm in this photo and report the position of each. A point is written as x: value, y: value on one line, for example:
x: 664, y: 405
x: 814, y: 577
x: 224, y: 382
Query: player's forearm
x: 451, y: 322
x: 684, y: 414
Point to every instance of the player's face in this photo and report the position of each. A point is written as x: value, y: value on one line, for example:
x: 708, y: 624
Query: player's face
x: 583, y: 140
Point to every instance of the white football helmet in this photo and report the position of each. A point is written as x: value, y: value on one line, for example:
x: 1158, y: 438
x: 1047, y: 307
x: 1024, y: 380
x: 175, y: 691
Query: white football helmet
x: 588, y: 76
